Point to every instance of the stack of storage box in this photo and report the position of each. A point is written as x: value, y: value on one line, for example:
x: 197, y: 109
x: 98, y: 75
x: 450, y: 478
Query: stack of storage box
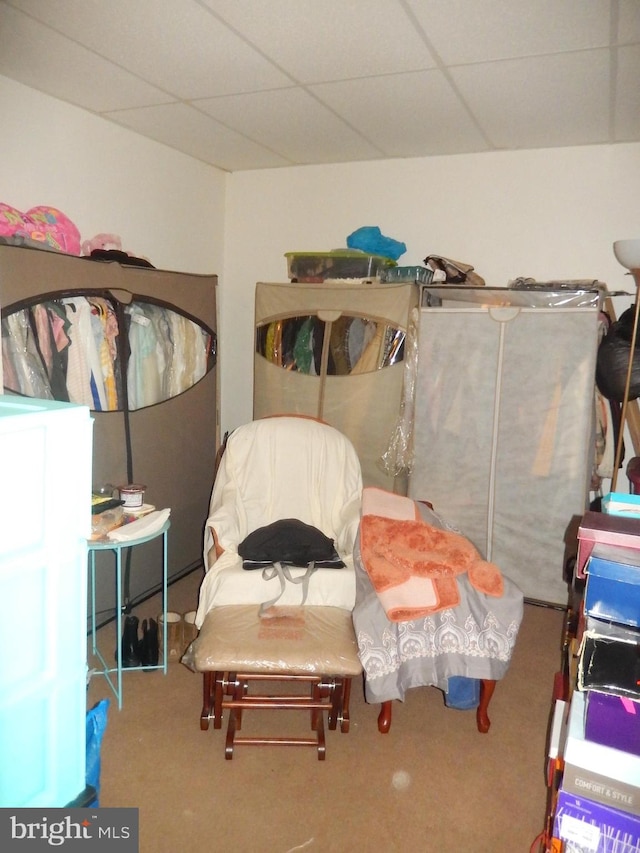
x: 598, y: 802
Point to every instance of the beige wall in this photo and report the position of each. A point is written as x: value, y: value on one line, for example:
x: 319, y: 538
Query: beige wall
x: 545, y: 213
x: 164, y: 205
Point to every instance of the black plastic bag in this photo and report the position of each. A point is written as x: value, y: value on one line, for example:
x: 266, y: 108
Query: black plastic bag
x: 612, y: 361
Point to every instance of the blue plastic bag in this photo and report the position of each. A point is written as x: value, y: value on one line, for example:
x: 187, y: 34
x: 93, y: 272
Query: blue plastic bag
x: 370, y: 239
x: 96, y: 724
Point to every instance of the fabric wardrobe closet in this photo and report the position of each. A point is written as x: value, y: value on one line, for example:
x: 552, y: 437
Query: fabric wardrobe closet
x: 504, y: 422
x: 168, y: 446
x: 336, y: 351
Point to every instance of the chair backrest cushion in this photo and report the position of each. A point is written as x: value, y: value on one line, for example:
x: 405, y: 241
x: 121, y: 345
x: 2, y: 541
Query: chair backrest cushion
x: 286, y: 467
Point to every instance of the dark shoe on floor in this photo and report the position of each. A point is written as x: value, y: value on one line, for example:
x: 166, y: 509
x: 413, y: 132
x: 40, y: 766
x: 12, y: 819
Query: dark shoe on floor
x: 130, y: 642
x: 150, y: 646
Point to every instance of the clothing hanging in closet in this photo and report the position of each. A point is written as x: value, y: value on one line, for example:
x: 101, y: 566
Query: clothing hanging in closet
x: 67, y: 349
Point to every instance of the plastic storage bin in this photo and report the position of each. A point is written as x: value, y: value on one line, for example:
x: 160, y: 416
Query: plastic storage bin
x: 348, y: 263
x: 422, y: 275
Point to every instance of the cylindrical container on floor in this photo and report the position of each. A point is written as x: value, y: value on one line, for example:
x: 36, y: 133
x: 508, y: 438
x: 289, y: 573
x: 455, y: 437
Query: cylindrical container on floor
x: 175, y: 645
x: 190, y: 632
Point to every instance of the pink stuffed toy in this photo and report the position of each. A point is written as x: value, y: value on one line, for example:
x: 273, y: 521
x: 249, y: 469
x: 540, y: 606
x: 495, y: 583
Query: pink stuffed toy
x: 44, y: 224
x: 104, y: 242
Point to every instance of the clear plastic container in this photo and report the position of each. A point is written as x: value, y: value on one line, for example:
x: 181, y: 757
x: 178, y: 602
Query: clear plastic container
x: 103, y: 522
x: 340, y: 263
x: 424, y: 275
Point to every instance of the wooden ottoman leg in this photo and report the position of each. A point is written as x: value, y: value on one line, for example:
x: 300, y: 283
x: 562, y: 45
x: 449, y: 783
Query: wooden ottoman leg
x: 243, y: 690
x: 384, y: 717
x: 487, y: 686
x: 235, y: 715
x: 316, y: 692
x: 335, y: 702
x: 345, y: 720
x: 217, y: 699
x: 231, y: 732
x: 207, y: 700
x: 319, y: 722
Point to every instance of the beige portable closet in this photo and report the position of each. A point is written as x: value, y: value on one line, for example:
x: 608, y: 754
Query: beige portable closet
x: 363, y: 403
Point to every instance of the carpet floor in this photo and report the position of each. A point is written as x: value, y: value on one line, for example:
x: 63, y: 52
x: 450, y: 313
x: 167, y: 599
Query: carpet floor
x: 433, y: 783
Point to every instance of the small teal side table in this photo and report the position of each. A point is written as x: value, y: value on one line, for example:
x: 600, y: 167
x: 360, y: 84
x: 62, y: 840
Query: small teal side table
x: 94, y: 546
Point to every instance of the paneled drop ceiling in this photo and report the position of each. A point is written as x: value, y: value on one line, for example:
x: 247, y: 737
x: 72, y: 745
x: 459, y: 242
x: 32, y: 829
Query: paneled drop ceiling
x: 254, y: 84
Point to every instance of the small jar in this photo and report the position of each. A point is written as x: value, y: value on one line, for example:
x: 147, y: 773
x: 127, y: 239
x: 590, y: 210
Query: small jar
x: 132, y: 495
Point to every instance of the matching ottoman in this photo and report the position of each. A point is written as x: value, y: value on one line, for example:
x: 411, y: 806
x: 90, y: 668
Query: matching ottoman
x: 238, y: 650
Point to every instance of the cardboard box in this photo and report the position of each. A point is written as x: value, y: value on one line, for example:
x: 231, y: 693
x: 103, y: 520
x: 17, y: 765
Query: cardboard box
x: 594, y: 758
x: 612, y: 591
x: 601, y: 789
x: 589, y: 827
x: 620, y: 503
x: 601, y: 527
x: 613, y: 721
x: 609, y: 659
x: 557, y: 734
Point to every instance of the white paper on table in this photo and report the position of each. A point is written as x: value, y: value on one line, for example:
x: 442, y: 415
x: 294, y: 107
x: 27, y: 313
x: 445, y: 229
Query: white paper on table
x: 145, y: 526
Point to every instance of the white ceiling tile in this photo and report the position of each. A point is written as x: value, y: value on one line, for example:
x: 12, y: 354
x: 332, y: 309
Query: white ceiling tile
x: 292, y: 122
x: 524, y: 103
x: 405, y: 114
x: 318, y: 81
x: 330, y: 40
x: 190, y: 131
x: 44, y: 60
x: 627, y: 101
x: 465, y: 31
x: 178, y: 46
x: 628, y: 21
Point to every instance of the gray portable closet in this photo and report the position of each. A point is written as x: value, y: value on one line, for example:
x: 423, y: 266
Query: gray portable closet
x: 504, y: 423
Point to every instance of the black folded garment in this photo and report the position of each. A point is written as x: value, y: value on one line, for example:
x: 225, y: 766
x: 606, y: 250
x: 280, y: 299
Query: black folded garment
x: 291, y: 542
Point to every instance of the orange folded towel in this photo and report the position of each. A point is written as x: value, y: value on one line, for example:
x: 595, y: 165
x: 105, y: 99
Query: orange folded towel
x: 400, y: 554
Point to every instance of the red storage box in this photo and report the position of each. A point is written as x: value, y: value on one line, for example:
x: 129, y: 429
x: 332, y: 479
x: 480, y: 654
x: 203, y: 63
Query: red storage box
x: 606, y: 529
